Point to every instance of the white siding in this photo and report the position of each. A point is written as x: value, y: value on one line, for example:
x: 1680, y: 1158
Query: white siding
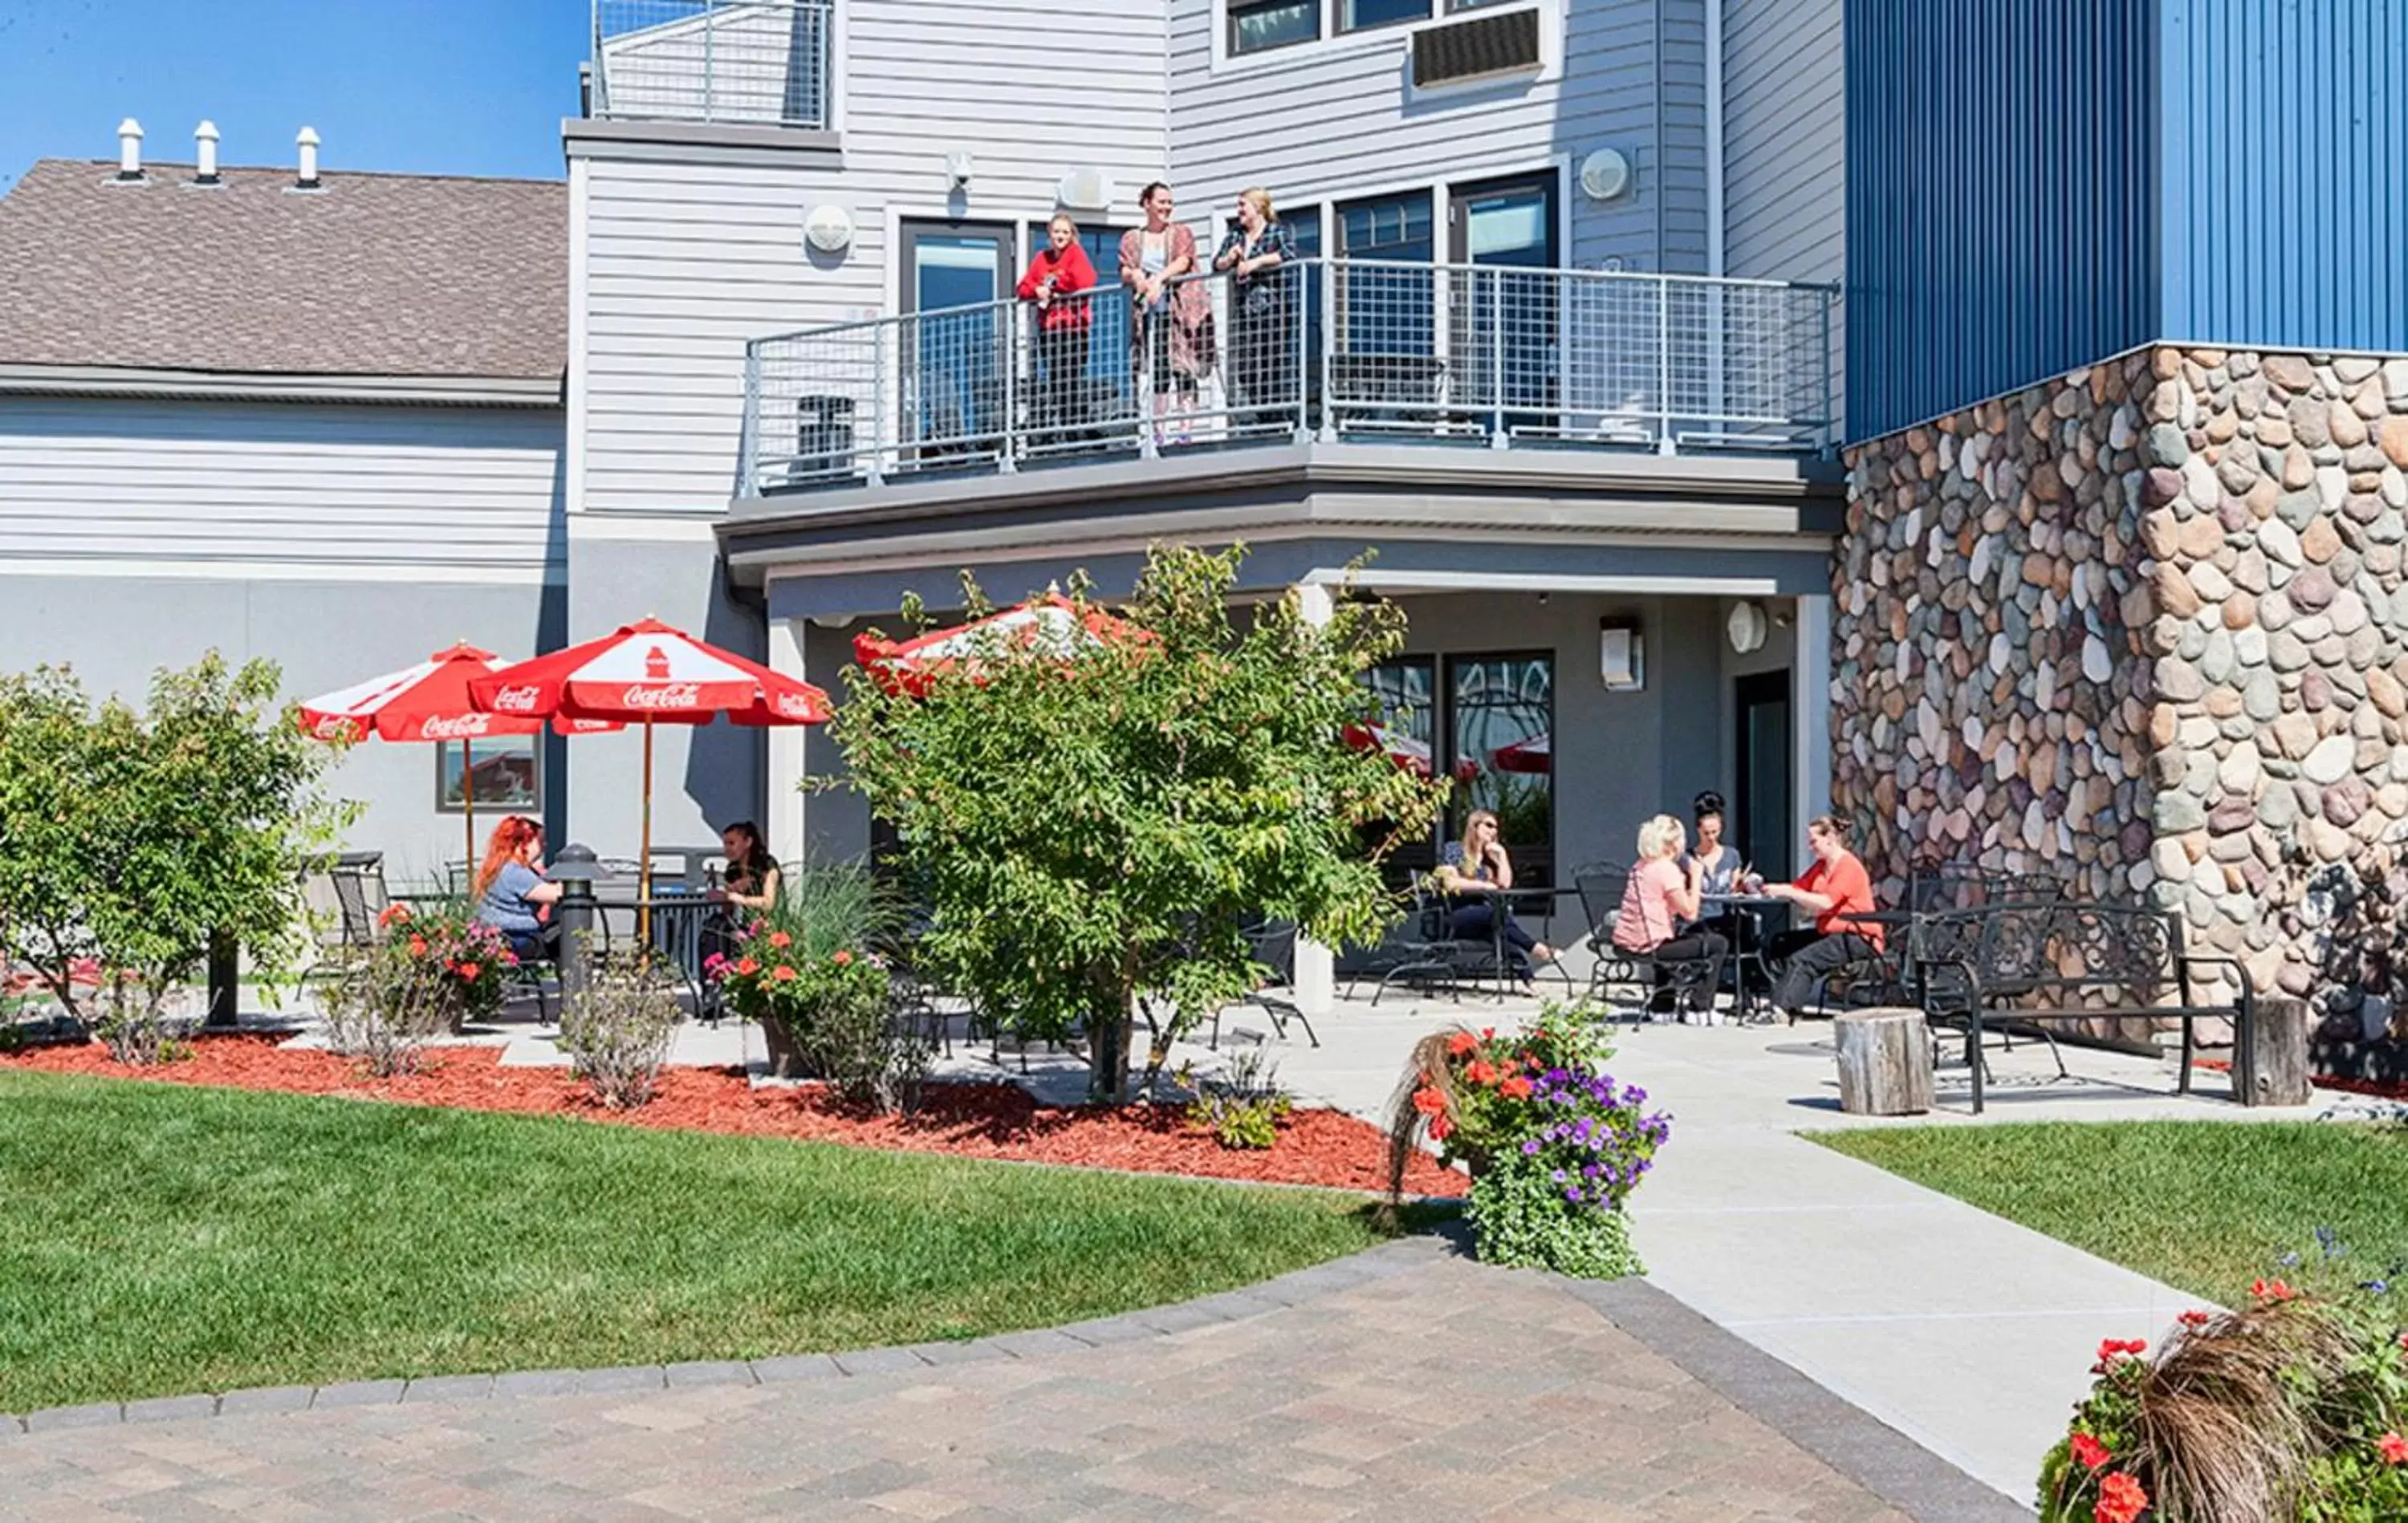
x: 1784, y: 146
x: 289, y: 485
x: 684, y: 262
x: 1330, y: 120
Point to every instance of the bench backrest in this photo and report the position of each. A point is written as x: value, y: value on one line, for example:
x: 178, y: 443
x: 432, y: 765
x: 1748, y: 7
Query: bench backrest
x: 2066, y: 945
x: 1936, y: 887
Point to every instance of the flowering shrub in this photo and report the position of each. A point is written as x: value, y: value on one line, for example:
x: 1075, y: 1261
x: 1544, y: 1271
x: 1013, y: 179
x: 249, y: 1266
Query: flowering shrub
x: 467, y: 960
x: 2293, y: 1406
x: 1554, y: 1145
x: 1244, y: 1106
x: 834, y: 1011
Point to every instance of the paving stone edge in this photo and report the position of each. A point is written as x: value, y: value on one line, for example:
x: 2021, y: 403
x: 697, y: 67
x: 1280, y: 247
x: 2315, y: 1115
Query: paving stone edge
x: 1294, y: 1288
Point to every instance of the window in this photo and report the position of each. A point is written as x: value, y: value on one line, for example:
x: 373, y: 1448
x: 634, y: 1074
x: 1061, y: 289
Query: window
x: 1387, y: 324
x: 1362, y: 15
x: 1501, y: 729
x: 1255, y: 25
x: 508, y: 772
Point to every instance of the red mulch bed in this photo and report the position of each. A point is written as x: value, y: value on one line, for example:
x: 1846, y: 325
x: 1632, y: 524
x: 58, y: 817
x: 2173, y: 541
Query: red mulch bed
x: 2379, y: 1088
x: 969, y: 1120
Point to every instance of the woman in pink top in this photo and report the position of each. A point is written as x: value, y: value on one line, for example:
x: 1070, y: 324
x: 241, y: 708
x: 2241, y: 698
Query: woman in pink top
x: 1661, y: 898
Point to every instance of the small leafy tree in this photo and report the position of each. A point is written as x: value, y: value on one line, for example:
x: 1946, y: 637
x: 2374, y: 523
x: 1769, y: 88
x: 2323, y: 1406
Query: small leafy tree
x: 128, y: 839
x: 1090, y: 830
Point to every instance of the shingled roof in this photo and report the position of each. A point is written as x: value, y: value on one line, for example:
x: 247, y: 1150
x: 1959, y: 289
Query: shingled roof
x: 376, y: 275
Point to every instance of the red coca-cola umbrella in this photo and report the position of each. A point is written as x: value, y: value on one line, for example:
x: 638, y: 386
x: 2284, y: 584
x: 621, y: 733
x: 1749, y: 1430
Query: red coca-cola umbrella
x: 428, y: 703
x: 1530, y: 755
x: 1411, y: 755
x: 1052, y: 625
x: 648, y: 672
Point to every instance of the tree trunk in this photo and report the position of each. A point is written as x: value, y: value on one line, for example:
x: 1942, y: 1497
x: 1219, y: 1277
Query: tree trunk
x: 224, y: 977
x: 2269, y: 1061
x: 1885, y: 1062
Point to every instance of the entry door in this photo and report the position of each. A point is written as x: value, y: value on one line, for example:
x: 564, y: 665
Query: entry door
x: 953, y: 359
x: 1765, y: 833
x: 1507, y: 325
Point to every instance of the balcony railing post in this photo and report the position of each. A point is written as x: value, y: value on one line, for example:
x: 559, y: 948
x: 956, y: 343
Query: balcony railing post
x: 1008, y: 433
x: 1329, y: 319
x: 1664, y: 445
x: 1294, y: 283
x: 1496, y: 436
x: 748, y: 454
x: 710, y: 55
x: 1830, y: 422
x: 880, y: 393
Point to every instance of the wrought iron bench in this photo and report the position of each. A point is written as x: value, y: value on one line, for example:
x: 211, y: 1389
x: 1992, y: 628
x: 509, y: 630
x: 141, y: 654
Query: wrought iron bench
x: 2033, y: 963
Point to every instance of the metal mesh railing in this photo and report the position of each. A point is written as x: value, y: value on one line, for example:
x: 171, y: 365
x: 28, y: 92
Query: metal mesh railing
x: 1333, y: 349
x: 721, y: 61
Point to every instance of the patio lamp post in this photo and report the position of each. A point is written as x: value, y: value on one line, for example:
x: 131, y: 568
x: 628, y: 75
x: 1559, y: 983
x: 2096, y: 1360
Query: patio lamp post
x: 574, y: 870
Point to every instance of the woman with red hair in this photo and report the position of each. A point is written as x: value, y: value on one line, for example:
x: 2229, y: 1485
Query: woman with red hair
x: 509, y: 888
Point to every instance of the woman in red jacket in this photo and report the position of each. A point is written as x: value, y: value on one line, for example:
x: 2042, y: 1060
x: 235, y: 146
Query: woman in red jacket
x: 1059, y: 280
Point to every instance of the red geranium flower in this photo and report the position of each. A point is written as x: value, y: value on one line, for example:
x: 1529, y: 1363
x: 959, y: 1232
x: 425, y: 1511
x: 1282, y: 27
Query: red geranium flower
x: 2121, y: 1499
x: 468, y: 970
x: 748, y: 967
x: 785, y: 975
x: 391, y: 913
x: 1461, y: 1043
x: 418, y: 946
x: 2271, y: 1290
x: 2092, y: 1453
x: 2393, y: 1448
x: 780, y: 940
x: 1516, y: 1087
x: 1428, y: 1100
x: 1439, y: 1128
x: 2194, y: 1319
x: 1481, y: 1071
x: 841, y: 959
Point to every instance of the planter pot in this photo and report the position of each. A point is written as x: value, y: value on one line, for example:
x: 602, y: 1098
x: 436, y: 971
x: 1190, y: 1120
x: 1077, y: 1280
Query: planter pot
x: 785, y: 1056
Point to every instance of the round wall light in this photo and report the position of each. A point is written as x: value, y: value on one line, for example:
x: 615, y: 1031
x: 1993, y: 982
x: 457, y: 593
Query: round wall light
x: 828, y: 229
x: 1605, y: 175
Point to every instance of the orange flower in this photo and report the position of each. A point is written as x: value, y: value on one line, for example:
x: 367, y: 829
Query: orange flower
x: 2393, y: 1448
x: 2121, y: 1499
x: 780, y: 940
x: 2272, y: 1291
x: 1481, y: 1071
x: 1461, y: 1043
x: 1429, y: 1102
x: 843, y: 959
x: 468, y: 970
x: 391, y: 914
x: 418, y: 946
x: 784, y: 973
x: 1516, y: 1087
x: 2194, y: 1319
x: 2092, y: 1453
x: 747, y: 967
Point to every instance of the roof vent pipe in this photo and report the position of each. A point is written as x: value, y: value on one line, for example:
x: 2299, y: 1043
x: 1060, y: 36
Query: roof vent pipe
x: 204, y: 154
x: 129, y: 149
x: 308, y: 177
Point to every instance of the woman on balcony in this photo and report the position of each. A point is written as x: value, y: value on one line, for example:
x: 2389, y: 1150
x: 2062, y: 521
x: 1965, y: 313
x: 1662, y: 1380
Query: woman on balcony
x: 1262, y: 347
x: 1060, y: 282
x: 1171, y: 318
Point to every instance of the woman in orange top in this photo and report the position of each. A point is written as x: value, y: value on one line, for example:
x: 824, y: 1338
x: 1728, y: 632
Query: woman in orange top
x: 1835, y: 890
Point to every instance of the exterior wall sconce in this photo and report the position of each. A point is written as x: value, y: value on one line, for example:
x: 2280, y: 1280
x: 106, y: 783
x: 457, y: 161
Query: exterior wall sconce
x: 1621, y: 656
x: 829, y: 229
x: 1605, y: 175
x: 957, y: 168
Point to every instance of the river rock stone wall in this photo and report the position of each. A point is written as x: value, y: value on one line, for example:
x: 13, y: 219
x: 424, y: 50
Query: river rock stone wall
x: 2144, y: 627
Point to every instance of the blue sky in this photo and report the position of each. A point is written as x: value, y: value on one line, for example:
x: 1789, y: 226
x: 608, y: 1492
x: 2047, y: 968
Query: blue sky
x: 471, y: 87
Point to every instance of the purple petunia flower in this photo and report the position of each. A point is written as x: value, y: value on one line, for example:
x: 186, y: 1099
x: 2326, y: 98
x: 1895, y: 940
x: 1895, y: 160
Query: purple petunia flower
x: 1530, y: 1148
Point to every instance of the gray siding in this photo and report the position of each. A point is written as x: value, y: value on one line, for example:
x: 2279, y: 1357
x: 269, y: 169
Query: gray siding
x: 1784, y: 129
x: 464, y: 491
x: 1337, y: 118
x: 684, y: 262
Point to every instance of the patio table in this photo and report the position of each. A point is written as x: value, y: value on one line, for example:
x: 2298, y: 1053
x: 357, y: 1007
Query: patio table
x: 1747, y: 946
x: 1538, y: 902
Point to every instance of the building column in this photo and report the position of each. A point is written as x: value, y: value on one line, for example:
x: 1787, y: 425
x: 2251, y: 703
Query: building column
x: 781, y: 818
x: 1316, y: 982
x: 1810, y: 703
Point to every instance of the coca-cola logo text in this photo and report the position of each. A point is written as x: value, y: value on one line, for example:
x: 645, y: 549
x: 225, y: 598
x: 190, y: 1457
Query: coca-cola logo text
x: 517, y: 699
x: 332, y: 727
x: 674, y: 695
x: 457, y: 727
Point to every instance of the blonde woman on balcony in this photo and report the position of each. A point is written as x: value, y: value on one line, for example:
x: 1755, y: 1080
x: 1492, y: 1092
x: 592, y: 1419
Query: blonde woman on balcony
x: 1171, y: 318
x: 1262, y: 347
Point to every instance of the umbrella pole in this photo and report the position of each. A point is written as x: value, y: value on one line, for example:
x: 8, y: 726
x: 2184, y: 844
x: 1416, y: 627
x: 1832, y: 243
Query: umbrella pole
x: 469, y: 812
x: 644, y: 861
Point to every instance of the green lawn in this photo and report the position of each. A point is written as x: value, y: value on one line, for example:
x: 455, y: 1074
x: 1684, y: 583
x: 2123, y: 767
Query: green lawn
x: 156, y: 1240
x: 2206, y: 1206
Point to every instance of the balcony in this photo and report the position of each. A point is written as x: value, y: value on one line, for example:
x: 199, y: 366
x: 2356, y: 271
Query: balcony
x: 1461, y: 357
x: 723, y: 62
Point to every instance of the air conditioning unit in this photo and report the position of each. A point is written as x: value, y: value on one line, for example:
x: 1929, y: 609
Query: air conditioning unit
x: 1480, y: 47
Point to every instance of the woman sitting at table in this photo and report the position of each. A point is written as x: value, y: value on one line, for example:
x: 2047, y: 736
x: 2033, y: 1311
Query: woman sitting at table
x: 753, y: 874
x: 1836, y: 889
x: 1662, y: 896
x: 512, y: 893
x: 1477, y: 866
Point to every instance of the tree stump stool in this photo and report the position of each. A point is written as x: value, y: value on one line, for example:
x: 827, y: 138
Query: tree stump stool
x: 1884, y: 1062
x: 2270, y: 1059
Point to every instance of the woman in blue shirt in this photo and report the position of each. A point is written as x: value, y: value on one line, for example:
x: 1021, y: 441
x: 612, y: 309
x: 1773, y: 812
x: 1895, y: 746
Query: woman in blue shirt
x: 512, y: 893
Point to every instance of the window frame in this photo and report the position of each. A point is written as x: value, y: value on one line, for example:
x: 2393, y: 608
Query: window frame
x: 533, y: 743
x: 1460, y: 804
x: 1230, y: 11
x: 1338, y: 27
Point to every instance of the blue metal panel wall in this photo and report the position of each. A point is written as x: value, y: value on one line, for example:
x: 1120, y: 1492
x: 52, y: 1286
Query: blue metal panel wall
x: 2283, y: 209
x: 1999, y: 180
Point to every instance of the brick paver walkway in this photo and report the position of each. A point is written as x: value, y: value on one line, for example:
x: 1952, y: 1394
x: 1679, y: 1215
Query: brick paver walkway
x: 1439, y: 1390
